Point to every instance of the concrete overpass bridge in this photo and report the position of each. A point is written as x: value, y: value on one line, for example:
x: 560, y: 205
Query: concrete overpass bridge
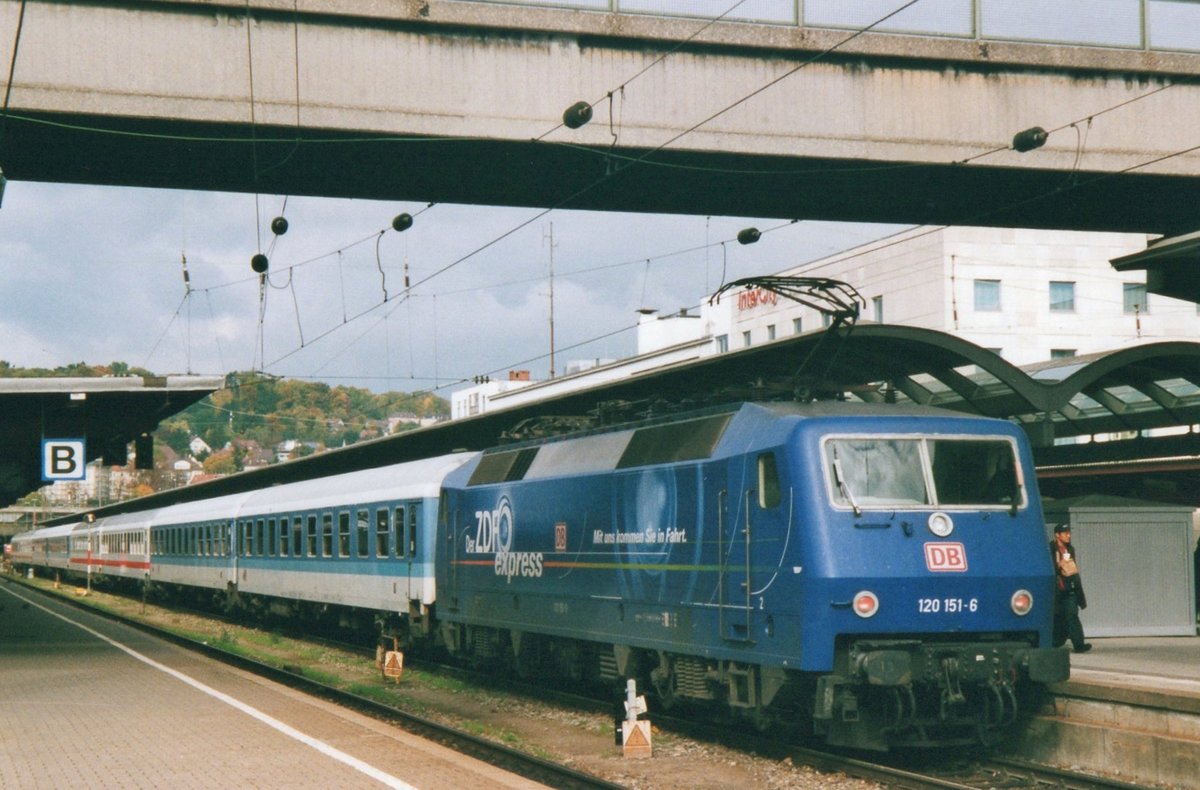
x: 778, y: 110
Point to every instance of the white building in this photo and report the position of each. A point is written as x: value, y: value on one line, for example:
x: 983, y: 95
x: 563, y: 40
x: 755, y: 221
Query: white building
x: 1028, y: 295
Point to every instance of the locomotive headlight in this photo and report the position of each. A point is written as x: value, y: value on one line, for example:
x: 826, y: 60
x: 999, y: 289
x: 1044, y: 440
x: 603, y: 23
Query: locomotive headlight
x: 1022, y: 602
x: 866, y: 603
x: 940, y: 524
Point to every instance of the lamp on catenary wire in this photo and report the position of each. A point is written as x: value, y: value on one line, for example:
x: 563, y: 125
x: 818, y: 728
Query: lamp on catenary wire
x: 259, y: 262
x: 1031, y: 138
x: 577, y: 115
x: 748, y: 235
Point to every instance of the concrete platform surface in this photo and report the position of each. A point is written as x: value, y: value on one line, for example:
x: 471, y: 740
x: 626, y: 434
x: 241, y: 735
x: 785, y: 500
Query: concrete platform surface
x: 85, y: 702
x: 1158, y: 666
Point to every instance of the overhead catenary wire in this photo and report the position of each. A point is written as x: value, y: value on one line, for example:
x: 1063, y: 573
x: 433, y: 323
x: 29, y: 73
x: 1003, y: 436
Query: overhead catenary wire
x: 651, y: 163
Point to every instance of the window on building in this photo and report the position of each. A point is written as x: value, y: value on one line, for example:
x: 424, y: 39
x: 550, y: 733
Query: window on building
x: 746, y: 338
x: 826, y: 320
x: 1062, y: 297
x: 722, y: 342
x: 796, y: 326
x: 877, y: 308
x: 987, y: 295
x: 770, y: 332
x: 1062, y: 353
x: 1135, y: 298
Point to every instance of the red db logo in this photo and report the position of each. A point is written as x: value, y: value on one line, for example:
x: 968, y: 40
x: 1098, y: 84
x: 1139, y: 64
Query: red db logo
x: 945, y: 557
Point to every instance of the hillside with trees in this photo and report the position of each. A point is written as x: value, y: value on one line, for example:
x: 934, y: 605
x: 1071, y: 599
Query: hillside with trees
x: 264, y: 411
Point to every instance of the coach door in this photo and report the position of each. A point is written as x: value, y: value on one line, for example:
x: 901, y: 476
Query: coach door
x: 735, y: 530
x: 404, y: 548
x: 227, y: 534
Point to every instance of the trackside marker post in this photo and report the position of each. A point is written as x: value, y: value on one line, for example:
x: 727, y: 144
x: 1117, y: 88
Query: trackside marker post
x: 635, y: 735
x: 389, y: 662
x: 393, y: 665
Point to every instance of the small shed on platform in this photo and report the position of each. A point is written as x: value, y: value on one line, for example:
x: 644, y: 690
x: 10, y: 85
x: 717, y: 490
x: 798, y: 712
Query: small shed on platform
x: 1135, y: 558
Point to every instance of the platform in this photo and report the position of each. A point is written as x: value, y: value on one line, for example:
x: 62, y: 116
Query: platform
x: 90, y: 703
x: 1162, y: 665
x: 1131, y: 710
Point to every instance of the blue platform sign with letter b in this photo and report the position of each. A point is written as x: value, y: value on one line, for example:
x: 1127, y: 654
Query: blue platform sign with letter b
x: 63, y: 459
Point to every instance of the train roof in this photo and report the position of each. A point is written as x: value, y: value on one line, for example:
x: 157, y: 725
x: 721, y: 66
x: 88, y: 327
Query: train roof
x: 694, y: 436
x: 60, y: 530
x: 410, y: 480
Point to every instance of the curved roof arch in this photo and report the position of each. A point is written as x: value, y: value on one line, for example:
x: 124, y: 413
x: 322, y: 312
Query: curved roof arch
x: 1150, y: 386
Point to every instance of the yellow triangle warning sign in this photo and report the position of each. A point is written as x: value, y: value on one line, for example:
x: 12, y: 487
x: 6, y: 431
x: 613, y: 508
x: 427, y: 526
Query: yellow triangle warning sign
x: 636, y: 738
x: 393, y: 664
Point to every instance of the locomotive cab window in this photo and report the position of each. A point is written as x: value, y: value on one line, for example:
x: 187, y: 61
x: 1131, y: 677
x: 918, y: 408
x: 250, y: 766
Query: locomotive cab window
x: 876, y: 472
x: 887, y: 472
x: 975, y: 473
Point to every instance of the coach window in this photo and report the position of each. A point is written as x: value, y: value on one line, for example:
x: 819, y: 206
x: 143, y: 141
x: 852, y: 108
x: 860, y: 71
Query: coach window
x: 272, y: 541
x: 344, y: 534
x: 260, y: 547
x: 312, y: 536
x: 381, y: 532
x: 412, y: 531
x: 362, y: 528
x: 327, y: 535
x: 768, y: 481
x: 281, y: 537
x: 297, y: 536
x: 246, y: 533
x: 398, y: 527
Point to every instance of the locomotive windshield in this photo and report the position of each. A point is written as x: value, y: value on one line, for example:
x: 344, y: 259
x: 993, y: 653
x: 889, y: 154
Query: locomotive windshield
x: 888, y: 472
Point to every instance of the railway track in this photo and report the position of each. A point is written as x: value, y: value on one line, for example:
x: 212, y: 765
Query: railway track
x: 973, y: 773
x: 513, y: 760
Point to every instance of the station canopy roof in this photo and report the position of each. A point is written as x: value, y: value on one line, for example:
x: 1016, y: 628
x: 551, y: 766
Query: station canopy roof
x: 1151, y: 386
x: 106, y: 412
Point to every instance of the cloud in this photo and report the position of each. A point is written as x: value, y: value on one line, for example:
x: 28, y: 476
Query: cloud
x: 95, y: 274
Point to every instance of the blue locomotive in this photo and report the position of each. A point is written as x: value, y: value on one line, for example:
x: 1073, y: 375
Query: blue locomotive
x: 877, y: 574
x: 879, y: 571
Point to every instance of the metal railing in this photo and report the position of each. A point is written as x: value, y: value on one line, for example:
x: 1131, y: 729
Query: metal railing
x: 1163, y: 25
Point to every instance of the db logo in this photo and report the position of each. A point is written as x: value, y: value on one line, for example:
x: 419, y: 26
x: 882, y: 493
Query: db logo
x: 945, y: 557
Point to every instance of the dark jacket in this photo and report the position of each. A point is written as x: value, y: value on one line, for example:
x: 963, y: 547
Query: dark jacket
x: 1065, y: 585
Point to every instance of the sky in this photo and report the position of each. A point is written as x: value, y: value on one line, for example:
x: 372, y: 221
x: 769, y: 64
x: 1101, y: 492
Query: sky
x: 94, y: 274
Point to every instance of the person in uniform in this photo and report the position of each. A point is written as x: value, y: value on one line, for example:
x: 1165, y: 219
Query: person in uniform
x: 1068, y: 594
